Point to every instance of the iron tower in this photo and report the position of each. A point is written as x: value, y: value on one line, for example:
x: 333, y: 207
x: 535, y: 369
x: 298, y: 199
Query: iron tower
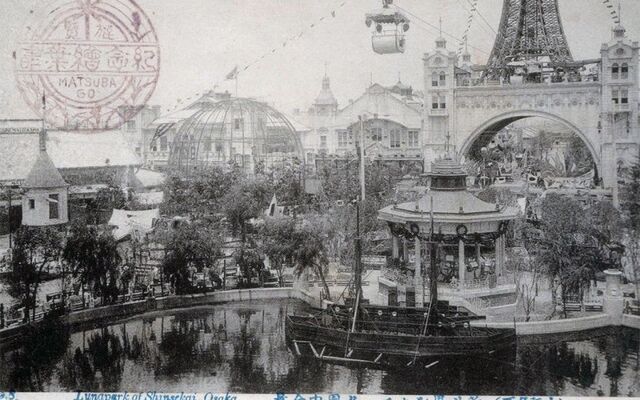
x: 530, y: 30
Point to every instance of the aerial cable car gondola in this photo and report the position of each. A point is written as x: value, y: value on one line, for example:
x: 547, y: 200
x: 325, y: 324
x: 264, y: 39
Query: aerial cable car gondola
x: 390, y: 26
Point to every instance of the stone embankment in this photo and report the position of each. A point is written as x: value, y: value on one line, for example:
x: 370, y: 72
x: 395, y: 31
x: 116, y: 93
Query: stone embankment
x: 123, y: 310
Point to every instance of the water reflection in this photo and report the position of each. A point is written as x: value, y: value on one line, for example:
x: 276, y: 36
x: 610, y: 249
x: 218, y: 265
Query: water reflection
x: 31, y: 367
x: 242, y: 348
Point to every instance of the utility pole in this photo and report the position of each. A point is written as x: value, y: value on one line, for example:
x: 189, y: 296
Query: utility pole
x: 9, y: 216
x: 362, y: 187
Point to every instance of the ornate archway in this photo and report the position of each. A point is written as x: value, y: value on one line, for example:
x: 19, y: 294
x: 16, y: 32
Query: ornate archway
x: 493, y: 125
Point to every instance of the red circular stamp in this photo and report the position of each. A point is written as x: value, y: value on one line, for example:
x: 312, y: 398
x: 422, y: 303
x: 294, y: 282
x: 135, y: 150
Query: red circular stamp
x: 95, y: 63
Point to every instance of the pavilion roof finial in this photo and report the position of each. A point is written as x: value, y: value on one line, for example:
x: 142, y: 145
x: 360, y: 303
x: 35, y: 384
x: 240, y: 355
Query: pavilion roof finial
x: 447, y: 144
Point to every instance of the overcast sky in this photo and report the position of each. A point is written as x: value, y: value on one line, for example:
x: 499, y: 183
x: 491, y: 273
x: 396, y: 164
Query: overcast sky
x: 202, y: 40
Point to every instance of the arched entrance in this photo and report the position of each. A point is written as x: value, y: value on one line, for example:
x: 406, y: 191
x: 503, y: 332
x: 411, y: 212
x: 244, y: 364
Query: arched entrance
x: 492, y: 126
x: 482, y: 138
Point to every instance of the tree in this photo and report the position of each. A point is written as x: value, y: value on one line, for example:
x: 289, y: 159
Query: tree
x: 631, y: 207
x: 35, y: 248
x: 94, y: 258
x: 189, y: 246
x: 310, y: 252
x: 574, y: 241
x: 250, y: 262
x: 529, y: 289
x: 277, y: 243
x: 106, y: 200
x: 247, y: 199
x: 287, y: 183
x: 198, y: 194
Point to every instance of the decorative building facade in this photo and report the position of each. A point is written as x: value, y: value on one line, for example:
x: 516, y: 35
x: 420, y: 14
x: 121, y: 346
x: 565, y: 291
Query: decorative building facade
x: 392, y: 123
x: 596, y: 99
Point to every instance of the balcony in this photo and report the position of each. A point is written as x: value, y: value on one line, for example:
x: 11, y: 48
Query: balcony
x: 620, y: 107
x: 438, y: 111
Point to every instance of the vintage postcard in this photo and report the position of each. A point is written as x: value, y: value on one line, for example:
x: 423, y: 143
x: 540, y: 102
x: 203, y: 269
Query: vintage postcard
x: 319, y: 199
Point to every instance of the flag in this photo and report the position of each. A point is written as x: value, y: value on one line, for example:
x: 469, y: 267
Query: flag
x: 233, y: 74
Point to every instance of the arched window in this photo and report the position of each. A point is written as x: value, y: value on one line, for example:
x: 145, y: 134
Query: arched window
x: 624, y: 71
x: 614, y: 71
x: 434, y: 79
x: 443, y: 79
x: 434, y: 102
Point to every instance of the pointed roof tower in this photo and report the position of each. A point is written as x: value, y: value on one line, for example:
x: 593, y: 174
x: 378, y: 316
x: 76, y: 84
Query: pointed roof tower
x: 326, y: 97
x: 43, y: 174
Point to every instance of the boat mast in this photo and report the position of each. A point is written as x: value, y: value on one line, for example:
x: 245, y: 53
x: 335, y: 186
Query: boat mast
x: 433, y: 267
x: 358, y: 252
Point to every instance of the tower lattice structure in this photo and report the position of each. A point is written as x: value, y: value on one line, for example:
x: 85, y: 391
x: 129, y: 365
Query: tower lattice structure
x: 529, y: 30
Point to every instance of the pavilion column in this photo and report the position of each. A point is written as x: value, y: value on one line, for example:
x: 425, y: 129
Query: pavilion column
x: 405, y: 251
x: 417, y: 277
x: 395, y: 246
x: 499, y: 255
x: 461, y: 265
x: 478, y: 253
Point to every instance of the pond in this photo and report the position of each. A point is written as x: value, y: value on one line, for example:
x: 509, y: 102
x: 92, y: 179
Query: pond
x: 241, y: 348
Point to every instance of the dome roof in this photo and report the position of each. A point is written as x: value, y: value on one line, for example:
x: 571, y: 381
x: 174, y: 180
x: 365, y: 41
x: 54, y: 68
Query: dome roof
x: 239, y: 130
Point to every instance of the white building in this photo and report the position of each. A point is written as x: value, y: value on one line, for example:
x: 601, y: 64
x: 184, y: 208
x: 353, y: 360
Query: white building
x: 392, y: 125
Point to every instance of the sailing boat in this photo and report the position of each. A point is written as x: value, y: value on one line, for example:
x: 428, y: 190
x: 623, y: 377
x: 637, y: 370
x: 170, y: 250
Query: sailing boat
x: 381, y: 336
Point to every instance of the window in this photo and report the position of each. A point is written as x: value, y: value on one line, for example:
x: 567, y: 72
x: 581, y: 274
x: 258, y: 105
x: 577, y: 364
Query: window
x: 154, y: 146
x: 614, y: 95
x: 434, y: 79
x: 163, y: 143
x: 32, y: 204
x: 624, y: 71
x: 412, y: 140
x: 343, y: 138
x: 614, y: 71
x: 434, y: 102
x: 376, y: 134
x: 237, y: 123
x: 193, y: 152
x: 624, y: 96
x: 443, y: 102
x: 53, y: 207
x: 443, y: 79
x: 131, y: 125
x: 207, y: 144
x: 394, y: 139
x: 323, y: 141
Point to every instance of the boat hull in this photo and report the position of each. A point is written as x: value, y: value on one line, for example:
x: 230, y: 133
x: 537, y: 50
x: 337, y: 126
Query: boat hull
x: 398, y: 345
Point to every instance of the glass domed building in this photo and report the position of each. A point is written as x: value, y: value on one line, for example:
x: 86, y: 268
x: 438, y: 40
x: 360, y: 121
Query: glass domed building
x: 247, y: 132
